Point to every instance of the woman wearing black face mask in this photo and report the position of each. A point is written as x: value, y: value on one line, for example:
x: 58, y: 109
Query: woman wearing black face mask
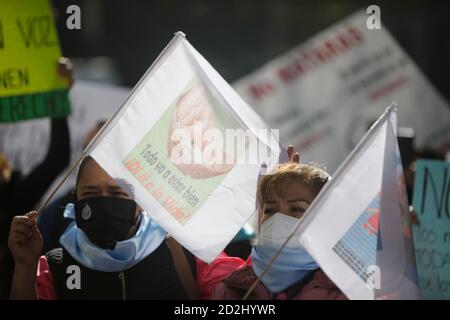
x: 110, y: 250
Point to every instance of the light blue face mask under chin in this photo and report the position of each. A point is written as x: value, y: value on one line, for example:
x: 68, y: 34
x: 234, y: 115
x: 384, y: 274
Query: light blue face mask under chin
x: 293, y: 263
x: 289, y: 267
x: 125, y: 255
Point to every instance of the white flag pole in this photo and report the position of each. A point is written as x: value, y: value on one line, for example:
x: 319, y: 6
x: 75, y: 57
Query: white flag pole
x: 116, y: 116
x: 318, y: 199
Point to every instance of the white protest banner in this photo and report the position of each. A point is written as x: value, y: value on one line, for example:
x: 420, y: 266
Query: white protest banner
x: 358, y: 228
x: 325, y: 93
x: 190, y: 149
x: 24, y: 143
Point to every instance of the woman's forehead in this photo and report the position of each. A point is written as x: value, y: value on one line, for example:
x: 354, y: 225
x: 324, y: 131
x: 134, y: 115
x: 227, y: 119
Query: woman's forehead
x: 289, y: 190
x: 93, y: 174
x: 94, y: 177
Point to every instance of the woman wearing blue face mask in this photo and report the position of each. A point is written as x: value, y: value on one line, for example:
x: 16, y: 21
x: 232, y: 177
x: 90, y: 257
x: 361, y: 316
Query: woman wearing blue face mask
x: 110, y: 249
x: 284, y: 195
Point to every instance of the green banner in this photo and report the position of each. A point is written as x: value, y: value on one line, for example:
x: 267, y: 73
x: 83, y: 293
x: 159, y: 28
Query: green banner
x: 29, y: 51
x: 53, y: 103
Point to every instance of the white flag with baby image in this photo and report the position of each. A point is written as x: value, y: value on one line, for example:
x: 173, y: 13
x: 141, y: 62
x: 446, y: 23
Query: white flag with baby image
x: 189, y: 149
x: 358, y: 228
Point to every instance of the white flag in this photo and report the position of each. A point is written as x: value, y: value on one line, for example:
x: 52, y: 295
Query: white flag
x: 358, y: 227
x: 190, y: 149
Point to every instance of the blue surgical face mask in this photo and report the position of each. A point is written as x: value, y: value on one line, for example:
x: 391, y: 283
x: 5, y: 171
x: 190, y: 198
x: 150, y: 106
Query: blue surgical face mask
x: 293, y: 263
x: 125, y: 255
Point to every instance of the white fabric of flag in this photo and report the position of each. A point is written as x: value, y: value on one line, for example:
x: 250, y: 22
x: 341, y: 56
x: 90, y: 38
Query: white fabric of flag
x: 358, y: 227
x: 165, y: 143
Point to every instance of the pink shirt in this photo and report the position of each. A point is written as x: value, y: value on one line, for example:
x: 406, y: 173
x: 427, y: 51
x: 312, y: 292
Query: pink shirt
x: 44, y: 281
x: 208, y: 276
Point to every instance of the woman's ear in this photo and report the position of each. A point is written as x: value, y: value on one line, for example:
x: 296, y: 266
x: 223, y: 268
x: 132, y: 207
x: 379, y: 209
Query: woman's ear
x: 73, y: 194
x: 260, y: 216
x: 138, y: 209
x: 137, y: 214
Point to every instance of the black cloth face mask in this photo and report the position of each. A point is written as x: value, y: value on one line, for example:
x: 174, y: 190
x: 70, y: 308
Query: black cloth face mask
x: 106, y: 220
